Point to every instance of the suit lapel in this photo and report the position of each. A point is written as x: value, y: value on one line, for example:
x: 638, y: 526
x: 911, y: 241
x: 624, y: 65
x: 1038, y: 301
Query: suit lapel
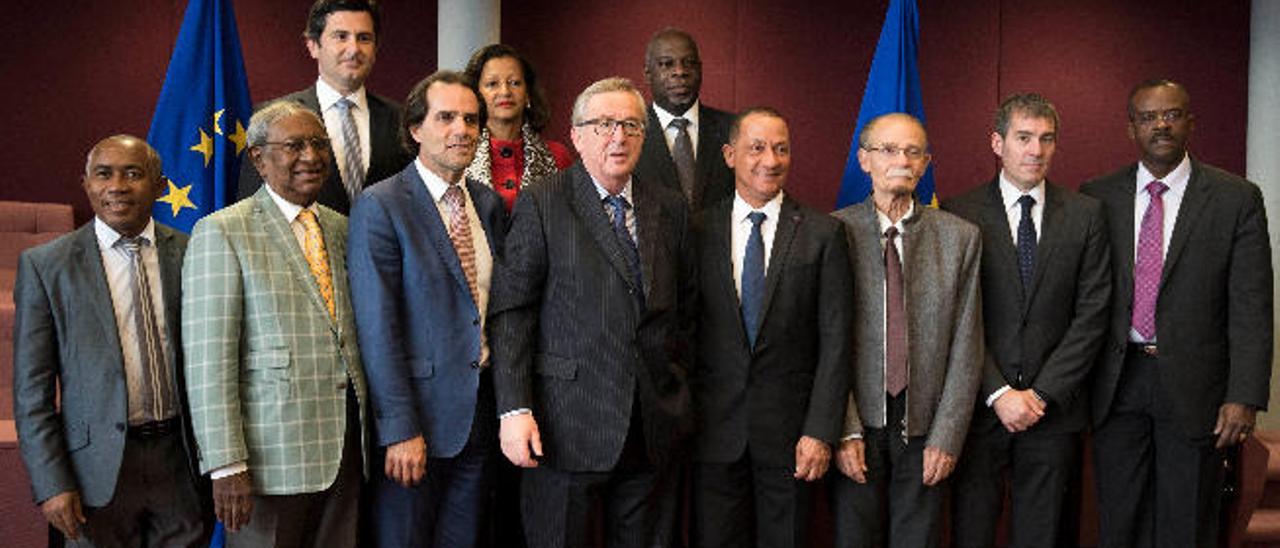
x: 171, y: 286
x: 281, y: 236
x: 655, y: 152
x: 91, y: 276
x: 1050, y: 240
x: 484, y: 206
x: 1194, y: 200
x: 1005, y: 252
x: 587, y: 206
x: 1123, y: 230
x: 649, y: 230
x: 437, y: 232
x: 719, y: 227
x: 708, y: 150
x: 789, y: 219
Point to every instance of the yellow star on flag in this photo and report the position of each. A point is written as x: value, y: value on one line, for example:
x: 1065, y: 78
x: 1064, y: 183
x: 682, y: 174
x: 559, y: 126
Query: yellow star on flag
x: 239, y: 138
x: 177, y: 197
x: 216, y: 117
x: 205, y: 146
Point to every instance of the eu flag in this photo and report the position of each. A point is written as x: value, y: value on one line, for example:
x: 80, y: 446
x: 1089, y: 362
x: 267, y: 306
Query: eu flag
x: 893, y: 85
x: 199, y: 123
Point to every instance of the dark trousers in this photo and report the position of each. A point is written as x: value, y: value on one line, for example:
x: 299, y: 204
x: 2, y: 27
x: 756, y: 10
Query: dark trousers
x: 449, y: 507
x: 1037, y: 467
x: 156, y: 500
x: 558, y: 505
x: 324, y: 519
x: 894, y: 508
x: 1156, y: 485
x: 741, y: 504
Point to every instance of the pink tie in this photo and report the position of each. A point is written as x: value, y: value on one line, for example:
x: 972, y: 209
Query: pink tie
x: 1146, y: 271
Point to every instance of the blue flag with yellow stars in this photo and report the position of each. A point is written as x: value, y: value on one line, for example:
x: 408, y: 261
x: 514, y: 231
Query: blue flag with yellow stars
x: 893, y: 85
x: 200, y: 119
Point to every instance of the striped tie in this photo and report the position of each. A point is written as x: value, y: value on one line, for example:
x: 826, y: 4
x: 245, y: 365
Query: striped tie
x: 354, y: 179
x: 155, y: 389
x: 460, y: 233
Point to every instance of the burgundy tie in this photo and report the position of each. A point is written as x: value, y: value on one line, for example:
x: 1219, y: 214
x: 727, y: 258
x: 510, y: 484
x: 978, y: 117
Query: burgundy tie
x: 1150, y: 262
x: 895, y: 335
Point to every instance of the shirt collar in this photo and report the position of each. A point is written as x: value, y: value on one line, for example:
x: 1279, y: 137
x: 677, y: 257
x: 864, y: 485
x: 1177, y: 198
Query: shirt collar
x: 665, y: 118
x: 435, y: 185
x: 289, y: 209
x: 901, y: 224
x: 327, y: 96
x: 107, y: 236
x: 1011, y: 193
x: 1176, y: 180
x: 770, y: 209
x: 626, y: 191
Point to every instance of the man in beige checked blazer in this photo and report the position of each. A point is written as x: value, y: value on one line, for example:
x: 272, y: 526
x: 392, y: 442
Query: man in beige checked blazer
x: 275, y: 382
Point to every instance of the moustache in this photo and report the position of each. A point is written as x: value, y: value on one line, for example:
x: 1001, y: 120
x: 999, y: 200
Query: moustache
x: 900, y: 172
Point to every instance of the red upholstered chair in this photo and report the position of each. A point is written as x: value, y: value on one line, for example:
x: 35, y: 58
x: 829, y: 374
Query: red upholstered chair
x: 22, y: 225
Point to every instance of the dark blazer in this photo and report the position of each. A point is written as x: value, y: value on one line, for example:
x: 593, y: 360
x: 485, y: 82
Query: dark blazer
x: 571, y: 340
x: 416, y: 320
x: 713, y: 132
x: 1046, y: 338
x: 795, y: 381
x: 941, y: 266
x: 65, y: 334
x: 388, y: 157
x: 1214, y: 311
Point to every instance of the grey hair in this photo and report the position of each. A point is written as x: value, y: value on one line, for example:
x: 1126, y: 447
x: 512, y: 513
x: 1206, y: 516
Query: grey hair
x: 262, y: 120
x: 607, y: 85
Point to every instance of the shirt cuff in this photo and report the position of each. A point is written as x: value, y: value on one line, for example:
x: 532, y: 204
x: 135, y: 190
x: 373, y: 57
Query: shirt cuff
x: 229, y: 470
x: 853, y: 436
x: 991, y: 400
x: 514, y: 412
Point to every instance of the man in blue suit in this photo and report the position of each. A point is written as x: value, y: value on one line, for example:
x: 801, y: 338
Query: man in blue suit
x: 420, y: 256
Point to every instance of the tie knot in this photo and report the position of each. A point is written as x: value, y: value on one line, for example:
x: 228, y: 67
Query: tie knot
x: 1026, y: 201
x: 344, y: 104
x: 1156, y: 188
x: 618, y: 202
x: 756, y: 217
x: 891, y: 233
x: 679, y: 124
x: 132, y: 245
x: 307, y: 217
x: 453, y: 195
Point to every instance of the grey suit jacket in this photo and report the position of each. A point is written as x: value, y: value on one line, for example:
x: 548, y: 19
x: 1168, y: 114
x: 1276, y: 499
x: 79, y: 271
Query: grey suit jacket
x: 656, y: 164
x: 571, y: 340
x: 388, y: 157
x: 941, y: 262
x: 66, y: 335
x: 1214, y: 311
x: 795, y: 380
x: 1045, y: 338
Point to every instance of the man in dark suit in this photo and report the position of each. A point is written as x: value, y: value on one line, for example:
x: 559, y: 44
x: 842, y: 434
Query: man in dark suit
x: 342, y: 36
x: 1187, y: 361
x: 774, y: 350
x: 917, y: 370
x: 1046, y: 287
x: 591, y: 310
x: 420, y: 254
x: 98, y: 326
x: 682, y: 137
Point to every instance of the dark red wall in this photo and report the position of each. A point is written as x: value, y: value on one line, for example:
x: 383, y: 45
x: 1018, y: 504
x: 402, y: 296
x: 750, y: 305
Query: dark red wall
x: 78, y: 71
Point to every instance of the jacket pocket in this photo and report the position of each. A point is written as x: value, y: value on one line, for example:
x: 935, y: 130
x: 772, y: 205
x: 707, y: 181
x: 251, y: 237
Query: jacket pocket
x: 76, y: 434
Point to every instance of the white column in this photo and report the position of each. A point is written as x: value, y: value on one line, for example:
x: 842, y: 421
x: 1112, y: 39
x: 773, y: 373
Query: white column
x: 1263, y: 143
x: 464, y: 26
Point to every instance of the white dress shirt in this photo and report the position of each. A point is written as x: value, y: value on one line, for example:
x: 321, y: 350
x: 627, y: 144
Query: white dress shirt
x: 741, y: 231
x: 1177, y: 181
x: 1010, y: 194
x: 116, y: 263
x: 328, y: 98
x: 665, y: 118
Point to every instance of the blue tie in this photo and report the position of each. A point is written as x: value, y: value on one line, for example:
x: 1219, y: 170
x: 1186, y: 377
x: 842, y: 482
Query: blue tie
x: 1026, y: 242
x: 632, y: 254
x: 753, y: 278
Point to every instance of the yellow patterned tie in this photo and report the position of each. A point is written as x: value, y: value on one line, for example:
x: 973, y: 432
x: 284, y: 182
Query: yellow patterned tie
x: 317, y: 257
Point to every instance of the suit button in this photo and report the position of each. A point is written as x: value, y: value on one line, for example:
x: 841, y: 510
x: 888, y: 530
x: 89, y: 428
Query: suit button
x: 119, y: 427
x: 475, y: 365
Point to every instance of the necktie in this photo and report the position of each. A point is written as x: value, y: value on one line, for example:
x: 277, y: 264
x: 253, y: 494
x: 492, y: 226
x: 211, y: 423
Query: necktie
x: 619, y: 207
x: 753, y: 278
x: 895, y: 336
x: 1150, y: 262
x: 154, y: 386
x: 317, y: 258
x: 352, y: 153
x: 682, y: 153
x: 1026, y: 242
x: 460, y: 233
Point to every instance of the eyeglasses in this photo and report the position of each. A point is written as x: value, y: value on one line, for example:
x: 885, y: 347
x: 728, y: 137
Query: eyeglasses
x: 1149, y: 117
x: 605, y: 127
x: 295, y: 146
x: 891, y: 151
